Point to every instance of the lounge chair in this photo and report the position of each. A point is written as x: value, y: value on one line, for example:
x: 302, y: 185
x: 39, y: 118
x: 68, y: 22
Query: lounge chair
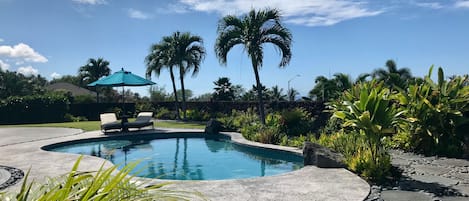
x: 109, y: 121
x: 144, y: 119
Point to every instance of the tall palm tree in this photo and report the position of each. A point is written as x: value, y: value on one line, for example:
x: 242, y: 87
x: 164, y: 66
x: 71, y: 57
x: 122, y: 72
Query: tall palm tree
x: 181, y: 50
x: 252, y: 31
x: 161, y: 57
x: 92, y: 71
x: 392, y: 76
x: 189, y: 53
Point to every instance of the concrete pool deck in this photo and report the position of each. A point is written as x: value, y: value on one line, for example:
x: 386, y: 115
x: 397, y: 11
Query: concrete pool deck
x: 21, y: 148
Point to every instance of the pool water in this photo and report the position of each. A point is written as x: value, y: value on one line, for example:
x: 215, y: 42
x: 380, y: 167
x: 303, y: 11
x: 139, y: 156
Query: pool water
x: 189, y: 158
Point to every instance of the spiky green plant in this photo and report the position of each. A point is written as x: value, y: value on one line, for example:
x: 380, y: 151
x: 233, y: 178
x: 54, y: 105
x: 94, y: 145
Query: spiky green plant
x: 437, y: 111
x: 102, y: 185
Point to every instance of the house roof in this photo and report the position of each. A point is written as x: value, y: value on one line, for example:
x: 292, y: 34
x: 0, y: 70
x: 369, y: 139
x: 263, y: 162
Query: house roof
x: 75, y: 90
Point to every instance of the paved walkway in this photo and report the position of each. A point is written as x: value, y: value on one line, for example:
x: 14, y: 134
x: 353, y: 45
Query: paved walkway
x: 426, y: 178
x: 20, y: 148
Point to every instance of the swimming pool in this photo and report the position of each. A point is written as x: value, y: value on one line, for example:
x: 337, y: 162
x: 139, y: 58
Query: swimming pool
x: 187, y: 158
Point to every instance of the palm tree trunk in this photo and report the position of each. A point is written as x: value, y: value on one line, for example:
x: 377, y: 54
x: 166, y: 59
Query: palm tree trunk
x: 259, y: 92
x: 183, y: 94
x: 175, y: 94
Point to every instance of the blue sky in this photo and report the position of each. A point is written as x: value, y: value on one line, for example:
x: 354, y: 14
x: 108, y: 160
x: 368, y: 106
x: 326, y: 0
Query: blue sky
x: 56, y: 37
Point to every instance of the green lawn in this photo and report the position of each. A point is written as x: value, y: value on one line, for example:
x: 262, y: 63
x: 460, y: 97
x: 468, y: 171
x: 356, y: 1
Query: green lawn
x: 94, y: 125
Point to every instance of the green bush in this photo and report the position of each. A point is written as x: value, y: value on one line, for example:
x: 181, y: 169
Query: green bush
x: 437, y: 114
x: 297, y: 122
x: 164, y: 113
x: 197, y: 115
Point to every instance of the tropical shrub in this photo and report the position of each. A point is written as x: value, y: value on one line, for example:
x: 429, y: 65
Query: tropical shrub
x: 164, y: 113
x: 297, y: 122
x: 437, y: 113
x: 369, y: 115
x: 103, y: 185
x: 197, y: 115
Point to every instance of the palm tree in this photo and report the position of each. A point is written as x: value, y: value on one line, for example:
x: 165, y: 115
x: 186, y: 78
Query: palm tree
x: 161, y: 57
x: 223, y: 90
x: 392, y: 76
x: 92, y: 71
x: 276, y: 94
x: 292, y: 93
x: 181, y: 50
x: 252, y: 31
x: 189, y: 53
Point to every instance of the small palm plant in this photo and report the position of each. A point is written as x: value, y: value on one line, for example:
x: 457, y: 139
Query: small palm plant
x: 103, y: 185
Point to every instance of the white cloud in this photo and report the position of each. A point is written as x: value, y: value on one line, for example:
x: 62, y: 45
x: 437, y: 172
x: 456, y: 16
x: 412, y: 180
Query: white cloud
x: 462, y: 4
x: 22, y: 51
x: 55, y: 75
x: 431, y: 5
x: 137, y: 14
x: 90, y: 2
x: 4, y: 66
x: 303, y: 12
x: 28, y: 71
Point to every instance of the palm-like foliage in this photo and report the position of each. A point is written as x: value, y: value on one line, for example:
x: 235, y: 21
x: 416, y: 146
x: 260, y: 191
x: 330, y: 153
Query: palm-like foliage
x: 93, y: 70
x: 392, y: 76
x: 326, y: 89
x: 181, y: 50
x: 252, y: 31
x: 224, y: 90
x: 292, y: 93
x: 276, y: 94
x: 159, y: 58
x: 103, y: 185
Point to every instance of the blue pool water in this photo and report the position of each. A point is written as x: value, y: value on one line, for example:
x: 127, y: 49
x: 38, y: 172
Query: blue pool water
x: 189, y: 158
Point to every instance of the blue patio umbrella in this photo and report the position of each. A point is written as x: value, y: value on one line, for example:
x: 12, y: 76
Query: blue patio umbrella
x: 121, y: 78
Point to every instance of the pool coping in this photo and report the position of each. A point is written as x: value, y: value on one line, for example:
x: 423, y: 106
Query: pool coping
x: 308, y: 183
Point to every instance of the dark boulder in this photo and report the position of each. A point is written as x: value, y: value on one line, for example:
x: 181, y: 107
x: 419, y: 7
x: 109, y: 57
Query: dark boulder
x: 213, y: 127
x: 315, y: 154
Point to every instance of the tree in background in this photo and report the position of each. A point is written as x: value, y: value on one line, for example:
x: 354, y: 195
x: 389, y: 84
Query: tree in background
x: 161, y: 57
x: 93, y: 70
x: 16, y: 84
x: 189, y: 53
x: 158, y: 94
x: 75, y: 80
x: 326, y: 89
x: 223, y: 90
x: 182, y: 50
x: 292, y: 93
x: 276, y: 94
x: 392, y: 76
x: 252, y: 31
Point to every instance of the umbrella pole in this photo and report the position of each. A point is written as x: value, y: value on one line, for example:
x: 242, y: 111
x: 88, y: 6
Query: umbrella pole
x: 123, y: 101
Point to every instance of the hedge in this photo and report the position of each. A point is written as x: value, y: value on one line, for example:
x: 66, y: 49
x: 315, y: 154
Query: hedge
x: 33, y: 109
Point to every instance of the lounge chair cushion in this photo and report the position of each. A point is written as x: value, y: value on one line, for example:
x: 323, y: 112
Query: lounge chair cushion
x: 109, y: 121
x: 143, y: 119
